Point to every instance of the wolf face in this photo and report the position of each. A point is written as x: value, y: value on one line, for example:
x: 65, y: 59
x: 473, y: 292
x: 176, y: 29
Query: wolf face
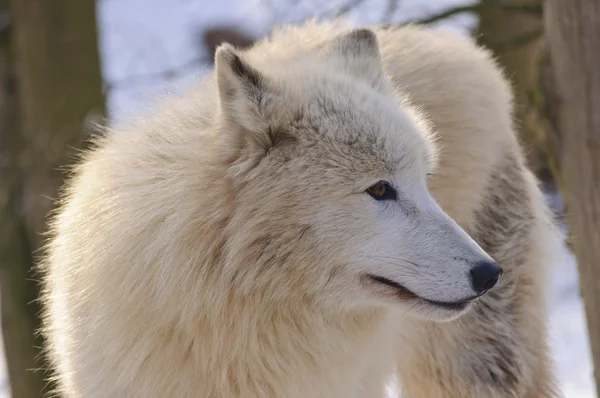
x: 329, y: 172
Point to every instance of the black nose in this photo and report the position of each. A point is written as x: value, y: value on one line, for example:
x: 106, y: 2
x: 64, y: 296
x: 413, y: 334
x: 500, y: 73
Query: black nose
x: 484, y: 276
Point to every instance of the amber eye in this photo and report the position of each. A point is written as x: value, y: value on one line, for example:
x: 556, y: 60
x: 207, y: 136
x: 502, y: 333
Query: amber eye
x: 382, y: 191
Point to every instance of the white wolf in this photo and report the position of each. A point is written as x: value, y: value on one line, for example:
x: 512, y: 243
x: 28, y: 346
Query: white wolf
x: 274, y: 233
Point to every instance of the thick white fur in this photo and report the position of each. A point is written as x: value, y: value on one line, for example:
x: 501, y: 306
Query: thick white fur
x: 220, y: 247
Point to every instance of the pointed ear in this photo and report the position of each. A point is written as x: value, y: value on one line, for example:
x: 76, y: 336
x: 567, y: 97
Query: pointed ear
x: 245, y: 100
x: 241, y: 89
x: 358, y: 53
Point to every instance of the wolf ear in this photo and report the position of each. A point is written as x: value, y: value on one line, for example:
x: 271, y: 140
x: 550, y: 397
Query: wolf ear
x: 358, y: 53
x: 241, y: 89
x: 244, y: 98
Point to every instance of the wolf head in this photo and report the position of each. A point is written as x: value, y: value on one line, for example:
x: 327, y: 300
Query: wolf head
x: 329, y: 172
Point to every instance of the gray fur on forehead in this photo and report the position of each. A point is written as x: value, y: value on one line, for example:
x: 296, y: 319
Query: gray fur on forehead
x: 345, y: 120
x: 344, y: 140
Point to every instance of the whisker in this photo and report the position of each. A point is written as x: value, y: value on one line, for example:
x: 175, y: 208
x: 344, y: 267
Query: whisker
x: 410, y: 271
x: 384, y: 261
x: 399, y: 259
x: 410, y: 309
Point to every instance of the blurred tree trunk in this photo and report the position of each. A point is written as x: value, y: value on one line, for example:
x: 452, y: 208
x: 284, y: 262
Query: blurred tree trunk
x: 515, y: 39
x: 51, y: 84
x: 18, y: 319
x: 573, y: 38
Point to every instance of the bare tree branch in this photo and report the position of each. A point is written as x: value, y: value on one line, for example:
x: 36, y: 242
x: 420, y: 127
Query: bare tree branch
x: 390, y: 10
x: 478, y: 7
x: 346, y: 8
x: 196, y: 63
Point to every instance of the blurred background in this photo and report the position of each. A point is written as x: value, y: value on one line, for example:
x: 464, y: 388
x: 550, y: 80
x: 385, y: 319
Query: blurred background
x: 68, y: 64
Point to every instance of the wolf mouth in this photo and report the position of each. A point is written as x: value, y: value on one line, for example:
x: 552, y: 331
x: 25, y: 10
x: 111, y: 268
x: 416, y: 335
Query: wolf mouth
x: 406, y: 294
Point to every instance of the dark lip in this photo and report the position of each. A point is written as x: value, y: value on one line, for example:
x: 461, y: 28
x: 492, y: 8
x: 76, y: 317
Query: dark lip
x: 405, y: 293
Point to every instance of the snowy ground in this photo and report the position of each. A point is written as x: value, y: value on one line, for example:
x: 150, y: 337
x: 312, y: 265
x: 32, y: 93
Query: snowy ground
x: 141, y: 38
x: 569, y: 336
x: 570, y: 344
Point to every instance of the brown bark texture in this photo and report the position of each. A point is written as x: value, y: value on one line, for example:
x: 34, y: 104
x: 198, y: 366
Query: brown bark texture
x: 573, y: 38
